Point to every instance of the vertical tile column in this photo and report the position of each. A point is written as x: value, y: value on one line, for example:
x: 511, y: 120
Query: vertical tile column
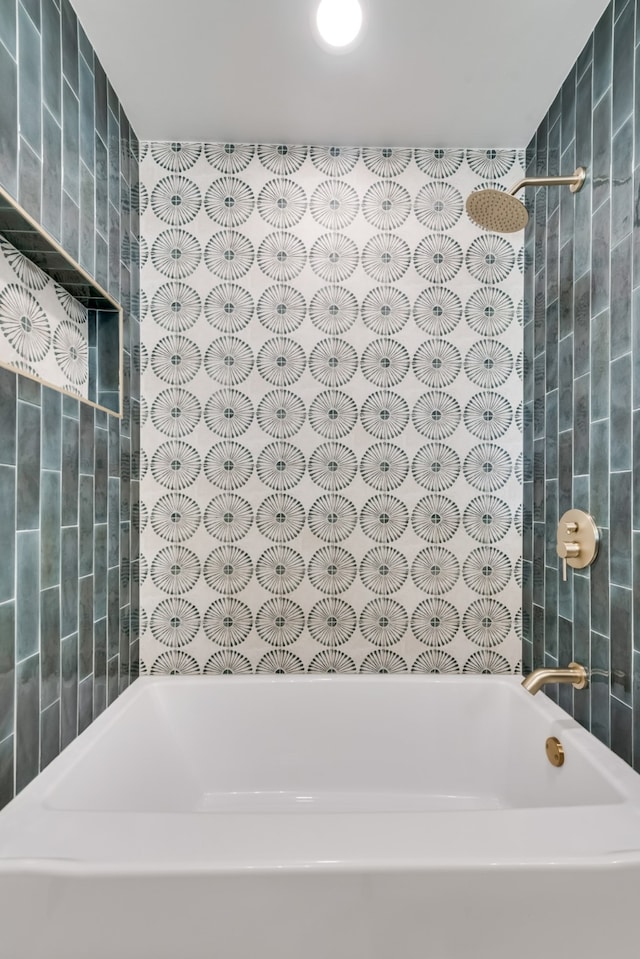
x: 582, y: 399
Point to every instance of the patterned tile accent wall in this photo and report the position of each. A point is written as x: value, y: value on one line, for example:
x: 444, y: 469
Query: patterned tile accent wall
x: 68, y: 486
x: 582, y: 389
x: 332, y: 412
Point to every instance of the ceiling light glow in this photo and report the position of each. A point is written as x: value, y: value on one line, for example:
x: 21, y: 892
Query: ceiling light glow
x: 339, y: 21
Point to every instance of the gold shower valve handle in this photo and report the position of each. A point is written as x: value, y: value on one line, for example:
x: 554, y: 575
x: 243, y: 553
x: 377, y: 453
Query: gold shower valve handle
x: 582, y: 548
x: 569, y: 551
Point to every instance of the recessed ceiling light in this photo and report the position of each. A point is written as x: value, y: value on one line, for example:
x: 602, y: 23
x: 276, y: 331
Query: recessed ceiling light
x: 339, y: 22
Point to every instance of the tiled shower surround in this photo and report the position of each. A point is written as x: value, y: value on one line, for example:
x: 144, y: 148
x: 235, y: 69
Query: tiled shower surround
x: 68, y: 489
x: 582, y: 388
x: 332, y: 363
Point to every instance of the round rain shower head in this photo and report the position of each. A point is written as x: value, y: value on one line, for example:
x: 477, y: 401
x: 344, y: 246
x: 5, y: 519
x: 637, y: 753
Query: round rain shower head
x: 503, y: 213
x: 497, y: 211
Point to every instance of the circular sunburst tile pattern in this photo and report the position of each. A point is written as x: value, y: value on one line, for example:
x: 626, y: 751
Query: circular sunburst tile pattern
x: 384, y: 518
x: 435, y: 661
x: 282, y: 203
x: 280, y: 661
x: 332, y: 661
x: 386, y: 205
x: 281, y: 361
x: 228, y: 360
x: 228, y: 518
x: 280, y: 621
x: 386, y: 161
x: 282, y: 159
x: 333, y: 257
x: 487, y: 519
x: 281, y: 414
x: 438, y: 206
x: 281, y: 309
x: 228, y: 570
x: 333, y: 310
x: 227, y: 662
x: 282, y: 256
x: 175, y: 359
x: 229, y: 202
x: 384, y: 570
x: 436, y: 363
x: 280, y: 569
x: 229, y: 157
x: 175, y: 307
x: 438, y: 258
x: 71, y: 350
x: 383, y: 622
x: 435, y: 518
x: 435, y: 570
x: 331, y: 622
x: 24, y: 323
x: 383, y: 661
x: 229, y: 255
x: 228, y: 308
x: 228, y: 413
x: 333, y: 414
x: 175, y: 569
x: 228, y: 466
x: 490, y: 258
x: 332, y: 518
x: 227, y: 622
x: 435, y: 622
x: 176, y: 254
x: 175, y: 517
x: 489, y: 311
x: 280, y: 518
x: 333, y: 362
x: 280, y: 465
x: 386, y: 258
x: 176, y: 200
x: 174, y: 622
x: 438, y: 163
x: 332, y: 466
x: 384, y: 466
x: 384, y: 415
x: 486, y: 622
x: 385, y: 363
x: 334, y: 205
x: 334, y: 161
x: 176, y: 156
x: 437, y: 311
x: 175, y: 465
x: 332, y: 570
x: 175, y: 662
x: 385, y: 310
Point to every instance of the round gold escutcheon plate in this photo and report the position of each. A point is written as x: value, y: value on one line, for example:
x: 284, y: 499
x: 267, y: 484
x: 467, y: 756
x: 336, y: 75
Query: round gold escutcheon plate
x: 555, y: 751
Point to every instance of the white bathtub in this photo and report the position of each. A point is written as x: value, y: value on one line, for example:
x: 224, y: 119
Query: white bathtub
x: 324, y: 818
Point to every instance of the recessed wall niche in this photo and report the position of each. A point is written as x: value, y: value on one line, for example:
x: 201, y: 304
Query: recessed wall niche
x: 57, y: 325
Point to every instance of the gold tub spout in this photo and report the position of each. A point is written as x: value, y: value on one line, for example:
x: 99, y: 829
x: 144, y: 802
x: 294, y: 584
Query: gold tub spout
x: 574, y: 673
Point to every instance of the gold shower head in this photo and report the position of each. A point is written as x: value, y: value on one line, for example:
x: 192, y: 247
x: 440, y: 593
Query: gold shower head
x: 503, y: 212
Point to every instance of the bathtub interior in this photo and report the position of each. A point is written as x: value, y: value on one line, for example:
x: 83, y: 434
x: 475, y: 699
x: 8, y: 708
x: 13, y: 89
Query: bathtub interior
x: 330, y: 744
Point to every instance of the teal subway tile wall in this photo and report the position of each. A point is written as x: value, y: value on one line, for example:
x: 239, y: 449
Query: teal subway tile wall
x: 69, y: 606
x: 582, y: 382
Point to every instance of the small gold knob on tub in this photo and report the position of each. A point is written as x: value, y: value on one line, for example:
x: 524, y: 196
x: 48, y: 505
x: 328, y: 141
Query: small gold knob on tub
x: 555, y: 751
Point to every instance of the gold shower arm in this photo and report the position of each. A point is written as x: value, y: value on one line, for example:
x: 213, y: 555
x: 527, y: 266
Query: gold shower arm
x: 575, y: 181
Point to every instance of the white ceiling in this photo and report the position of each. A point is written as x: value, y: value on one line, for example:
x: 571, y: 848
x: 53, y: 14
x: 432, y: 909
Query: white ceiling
x: 426, y: 72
